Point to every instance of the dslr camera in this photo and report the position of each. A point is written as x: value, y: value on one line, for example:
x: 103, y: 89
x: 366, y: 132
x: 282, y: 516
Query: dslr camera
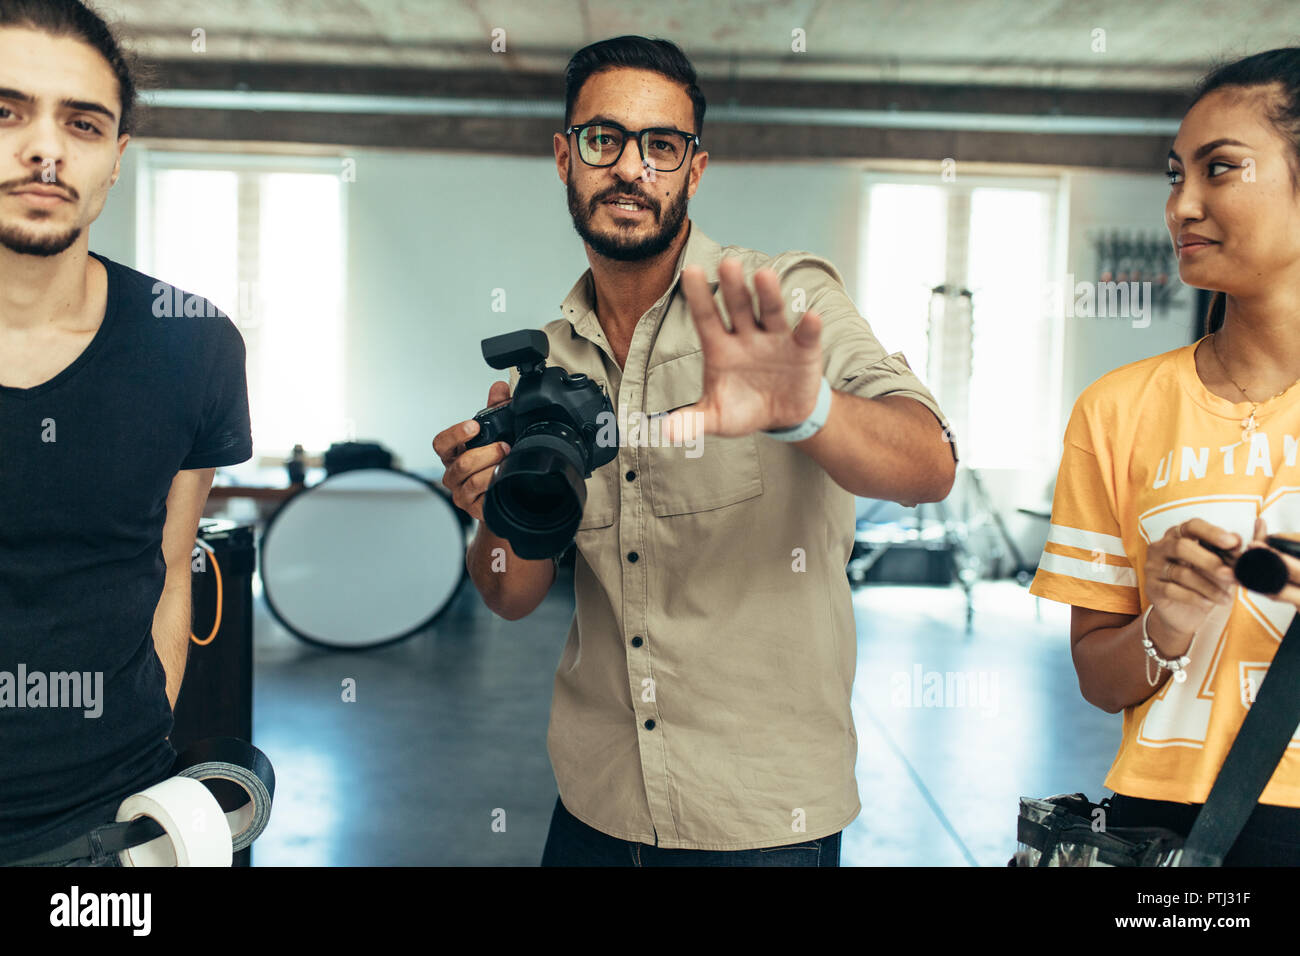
x: 551, y: 423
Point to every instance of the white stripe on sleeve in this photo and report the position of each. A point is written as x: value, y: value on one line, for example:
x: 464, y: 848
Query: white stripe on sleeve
x: 1088, y: 540
x: 1088, y: 570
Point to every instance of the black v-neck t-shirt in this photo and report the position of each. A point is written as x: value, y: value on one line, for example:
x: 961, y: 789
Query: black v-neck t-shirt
x: 86, y: 462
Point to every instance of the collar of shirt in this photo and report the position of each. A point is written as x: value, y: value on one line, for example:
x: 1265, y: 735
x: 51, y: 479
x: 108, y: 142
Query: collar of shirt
x: 579, y: 306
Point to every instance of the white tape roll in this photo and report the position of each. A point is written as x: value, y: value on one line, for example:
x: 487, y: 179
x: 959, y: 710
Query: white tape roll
x: 196, y: 830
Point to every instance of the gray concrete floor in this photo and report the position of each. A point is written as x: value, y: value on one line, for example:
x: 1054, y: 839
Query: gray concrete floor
x: 448, y: 732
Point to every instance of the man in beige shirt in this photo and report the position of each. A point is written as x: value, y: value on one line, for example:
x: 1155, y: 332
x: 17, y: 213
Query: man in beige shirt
x: 701, y: 711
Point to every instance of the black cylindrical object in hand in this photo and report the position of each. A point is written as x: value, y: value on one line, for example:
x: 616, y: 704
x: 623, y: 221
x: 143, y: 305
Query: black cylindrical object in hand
x: 1261, y: 570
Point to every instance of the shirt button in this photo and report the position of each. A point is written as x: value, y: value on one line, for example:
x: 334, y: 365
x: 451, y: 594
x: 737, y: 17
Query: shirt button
x: 632, y: 556
x: 636, y: 641
x: 630, y: 475
x: 649, y: 725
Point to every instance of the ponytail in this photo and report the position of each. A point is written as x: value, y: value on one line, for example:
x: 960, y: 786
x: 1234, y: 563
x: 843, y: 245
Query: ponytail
x: 1214, y: 317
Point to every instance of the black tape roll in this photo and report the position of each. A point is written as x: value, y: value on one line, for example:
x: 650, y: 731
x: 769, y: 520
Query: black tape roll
x: 243, y: 766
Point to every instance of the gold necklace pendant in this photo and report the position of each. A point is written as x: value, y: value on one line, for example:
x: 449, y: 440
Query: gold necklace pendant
x: 1249, y: 426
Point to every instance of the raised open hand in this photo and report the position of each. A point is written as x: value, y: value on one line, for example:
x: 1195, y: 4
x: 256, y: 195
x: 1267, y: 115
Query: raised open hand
x: 759, y: 375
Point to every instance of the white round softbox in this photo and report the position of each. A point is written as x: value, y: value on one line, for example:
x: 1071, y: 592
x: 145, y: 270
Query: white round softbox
x: 363, y: 558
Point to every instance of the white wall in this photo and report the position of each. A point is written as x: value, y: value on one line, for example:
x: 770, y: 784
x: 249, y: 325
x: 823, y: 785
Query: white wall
x: 429, y: 239
x: 1094, y: 346
x: 113, y: 233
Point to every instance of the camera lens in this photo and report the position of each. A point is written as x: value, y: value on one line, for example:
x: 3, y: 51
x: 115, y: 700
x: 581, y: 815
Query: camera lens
x: 536, y: 499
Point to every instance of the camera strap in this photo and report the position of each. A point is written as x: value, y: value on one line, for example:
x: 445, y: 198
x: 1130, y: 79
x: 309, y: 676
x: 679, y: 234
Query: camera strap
x: 1255, y: 754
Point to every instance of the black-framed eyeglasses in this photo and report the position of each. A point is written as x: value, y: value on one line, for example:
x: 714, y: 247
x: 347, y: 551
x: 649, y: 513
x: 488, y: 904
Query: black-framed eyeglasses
x: 602, y: 144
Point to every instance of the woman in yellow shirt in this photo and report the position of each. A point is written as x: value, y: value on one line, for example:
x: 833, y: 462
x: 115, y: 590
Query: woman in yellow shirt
x: 1196, y: 445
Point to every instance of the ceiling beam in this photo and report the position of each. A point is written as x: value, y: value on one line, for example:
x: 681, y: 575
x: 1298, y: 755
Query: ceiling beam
x: 515, y: 113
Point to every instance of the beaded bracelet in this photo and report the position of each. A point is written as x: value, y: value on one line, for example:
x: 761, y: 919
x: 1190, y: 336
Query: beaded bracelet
x: 1177, y: 666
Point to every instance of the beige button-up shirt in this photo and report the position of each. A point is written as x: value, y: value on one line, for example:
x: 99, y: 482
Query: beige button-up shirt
x: 703, y: 698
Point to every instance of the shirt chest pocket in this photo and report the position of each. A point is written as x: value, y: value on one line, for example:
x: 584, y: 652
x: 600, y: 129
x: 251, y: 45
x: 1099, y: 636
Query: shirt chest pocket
x: 704, y: 472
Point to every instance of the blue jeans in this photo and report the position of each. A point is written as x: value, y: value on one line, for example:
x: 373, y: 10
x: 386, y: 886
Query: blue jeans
x: 571, y: 842
x: 111, y: 860
x: 100, y: 859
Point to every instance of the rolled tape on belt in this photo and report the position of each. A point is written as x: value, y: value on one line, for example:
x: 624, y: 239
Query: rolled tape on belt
x: 229, y: 758
x: 195, y: 828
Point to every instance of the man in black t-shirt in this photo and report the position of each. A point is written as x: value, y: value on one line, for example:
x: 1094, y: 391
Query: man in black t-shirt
x: 119, y: 396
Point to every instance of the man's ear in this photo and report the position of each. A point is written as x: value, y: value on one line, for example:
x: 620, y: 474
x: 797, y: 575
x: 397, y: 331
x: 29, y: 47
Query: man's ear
x: 698, y: 163
x: 121, y: 148
x: 561, y: 145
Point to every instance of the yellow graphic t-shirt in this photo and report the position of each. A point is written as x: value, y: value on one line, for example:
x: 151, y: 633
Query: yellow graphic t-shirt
x: 1149, y: 447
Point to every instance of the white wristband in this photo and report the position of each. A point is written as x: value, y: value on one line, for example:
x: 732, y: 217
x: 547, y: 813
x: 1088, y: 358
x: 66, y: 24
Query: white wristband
x: 812, y: 424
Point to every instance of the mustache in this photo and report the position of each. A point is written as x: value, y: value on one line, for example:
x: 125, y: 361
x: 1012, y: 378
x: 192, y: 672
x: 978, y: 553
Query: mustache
x: 11, y: 185
x: 637, y: 195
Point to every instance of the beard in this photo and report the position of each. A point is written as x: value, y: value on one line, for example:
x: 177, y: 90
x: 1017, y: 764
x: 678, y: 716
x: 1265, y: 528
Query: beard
x: 16, y: 239
x: 620, y: 245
